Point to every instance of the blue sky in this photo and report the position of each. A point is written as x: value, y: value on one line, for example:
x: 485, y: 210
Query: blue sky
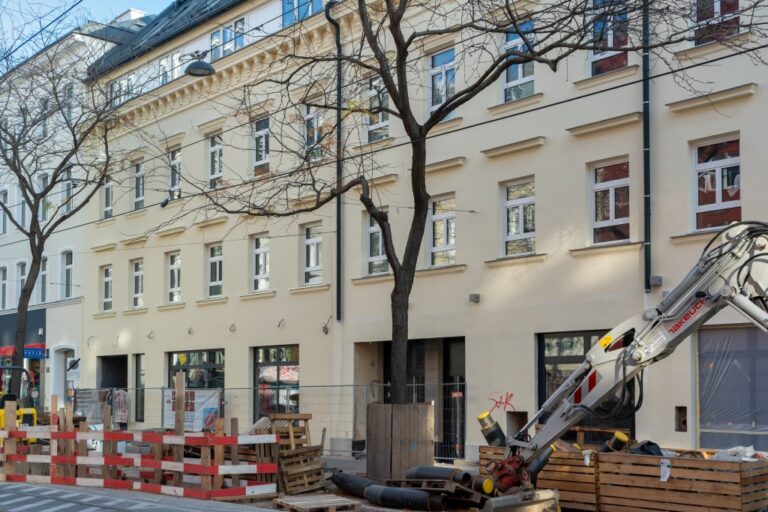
x: 105, y: 10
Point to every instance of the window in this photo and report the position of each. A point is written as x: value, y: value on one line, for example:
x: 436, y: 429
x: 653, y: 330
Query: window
x: 716, y: 20
x: 277, y: 380
x: 518, y: 78
x: 215, y: 270
x: 106, y: 288
x: 3, y: 214
x: 174, y: 277
x: 227, y: 39
x: 378, y: 120
x: 519, y: 218
x: 297, y: 10
x: 106, y: 198
x: 442, y: 221
x: 718, y: 184
x: 44, y: 113
x: 67, y: 190
x: 312, y: 135
x: 137, y: 283
x: 21, y: 208
x: 121, y: 90
x: 609, y: 30
x: 42, y: 282
x: 312, y: 259
x: 174, y: 178
x: 138, y: 186
x: 3, y: 287
x: 376, y: 255
x: 169, y: 68
x: 261, y: 142
x: 67, y: 274
x: 140, y: 377
x: 260, y: 263
x: 203, y: 369
x: 69, y: 101
x: 21, y: 277
x: 442, y: 74
x: 215, y: 160
x: 610, y: 188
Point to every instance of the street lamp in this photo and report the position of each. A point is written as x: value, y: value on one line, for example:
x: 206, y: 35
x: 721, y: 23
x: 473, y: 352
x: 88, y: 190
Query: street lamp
x: 197, y: 67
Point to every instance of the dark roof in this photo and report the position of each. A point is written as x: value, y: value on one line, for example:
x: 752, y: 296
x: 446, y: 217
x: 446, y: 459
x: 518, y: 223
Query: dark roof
x: 176, y: 19
x: 109, y: 33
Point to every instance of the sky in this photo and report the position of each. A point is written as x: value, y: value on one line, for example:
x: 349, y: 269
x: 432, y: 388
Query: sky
x: 106, y: 10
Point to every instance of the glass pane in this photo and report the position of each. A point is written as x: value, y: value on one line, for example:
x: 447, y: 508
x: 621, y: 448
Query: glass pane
x: 437, y: 89
x: 378, y: 267
x: 521, y: 190
x: 705, y: 9
x: 522, y: 246
x: 450, y: 83
x: 718, y: 151
x: 718, y: 218
x: 446, y: 205
x: 612, y: 172
x: 513, y: 221
x: 451, y: 226
x: 443, y: 58
x: 611, y: 63
x: 602, y: 205
x: 529, y: 216
x: 707, y: 188
x: 612, y: 233
x: 731, y: 181
x: 556, y: 375
x: 516, y: 92
x: 555, y: 346
x: 438, y: 234
x: 513, y: 72
x: 729, y: 6
x: 444, y: 257
x: 621, y: 203
x: 374, y: 244
x: 292, y: 353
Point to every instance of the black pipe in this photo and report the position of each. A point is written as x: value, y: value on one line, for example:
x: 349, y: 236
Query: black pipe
x: 339, y: 161
x: 439, y: 473
x: 647, y: 145
x: 399, y: 497
x: 351, y: 484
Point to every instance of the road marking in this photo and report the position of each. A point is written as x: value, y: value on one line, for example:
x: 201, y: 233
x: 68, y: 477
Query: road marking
x: 92, y: 509
x: 90, y: 497
x: 15, y: 500
x: 61, y: 507
x: 27, y: 507
x: 50, y: 492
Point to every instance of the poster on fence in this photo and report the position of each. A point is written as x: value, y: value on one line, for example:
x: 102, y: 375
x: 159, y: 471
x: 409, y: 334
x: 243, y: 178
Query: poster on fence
x: 201, y: 409
x: 90, y: 403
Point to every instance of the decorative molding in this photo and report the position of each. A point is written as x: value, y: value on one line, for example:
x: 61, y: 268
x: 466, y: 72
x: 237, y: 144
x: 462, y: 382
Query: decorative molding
x: 215, y: 125
x: 135, y: 240
x: 171, y: 231
x: 605, y: 248
x: 136, y: 155
x: 378, y: 278
x: 212, y: 300
x: 437, y: 43
x: 506, y: 261
x: 511, y: 106
x: 310, y: 289
x: 371, y: 147
x: 605, y: 124
x: 266, y: 294
x: 308, y: 199
x: 384, y: 179
x: 105, y: 222
x: 704, y: 235
x: 444, y: 165
x: 108, y: 314
x: 136, y: 213
x: 104, y: 247
x: 707, y: 49
x: 706, y: 100
x: 211, y: 222
x: 170, y: 307
x: 446, y: 269
x: 610, y: 76
x: 446, y: 126
x: 173, y: 140
x: 135, y: 311
x: 514, y: 147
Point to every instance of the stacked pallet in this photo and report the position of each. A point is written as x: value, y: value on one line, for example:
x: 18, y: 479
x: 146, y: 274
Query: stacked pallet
x: 301, y: 469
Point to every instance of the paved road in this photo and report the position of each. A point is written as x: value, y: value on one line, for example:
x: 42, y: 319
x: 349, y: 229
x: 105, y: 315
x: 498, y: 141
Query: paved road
x: 50, y: 498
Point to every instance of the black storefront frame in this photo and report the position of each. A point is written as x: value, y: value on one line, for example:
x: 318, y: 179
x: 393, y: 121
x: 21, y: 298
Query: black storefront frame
x: 172, y: 369
x: 257, y: 365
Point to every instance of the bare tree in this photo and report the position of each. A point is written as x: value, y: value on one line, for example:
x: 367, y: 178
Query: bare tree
x: 54, y: 141
x: 389, y: 72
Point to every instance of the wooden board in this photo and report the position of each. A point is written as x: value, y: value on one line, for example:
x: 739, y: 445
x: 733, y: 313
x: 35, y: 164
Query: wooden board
x: 378, y: 442
x: 316, y: 502
x: 301, y: 470
x: 413, y: 437
x: 576, y: 482
x: 490, y: 454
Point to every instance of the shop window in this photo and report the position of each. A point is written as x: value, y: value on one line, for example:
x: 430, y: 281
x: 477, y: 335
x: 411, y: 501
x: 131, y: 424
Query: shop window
x: 277, y: 380
x: 203, y: 369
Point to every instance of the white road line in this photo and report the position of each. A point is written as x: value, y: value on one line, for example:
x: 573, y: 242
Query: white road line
x: 63, y: 506
x: 27, y: 507
x: 15, y: 500
x: 92, y: 509
x: 70, y: 495
x: 50, y: 492
x: 142, y: 506
x: 90, y: 497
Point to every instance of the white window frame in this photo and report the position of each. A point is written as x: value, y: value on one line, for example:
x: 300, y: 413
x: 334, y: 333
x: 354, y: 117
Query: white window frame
x: 317, y: 242
x: 137, y: 283
x: 611, y: 186
x: 173, y: 270
x: 518, y: 204
x: 717, y: 166
x: 43, y: 181
x: 21, y: 208
x: 441, y: 70
x: 440, y: 218
x: 381, y: 97
x: 42, y: 282
x: 313, y: 148
x: 509, y: 45
x: 4, y: 288
x: 168, y: 68
x: 215, y: 270
x: 21, y: 277
x: 224, y: 46
x: 3, y: 214
x: 44, y: 112
x: 592, y: 55
x: 68, y: 99
x: 67, y: 291
x: 174, y: 173
x: 107, y: 198
x: 67, y: 190
x: 107, y: 290
x: 717, y: 19
x: 260, y: 245
x: 372, y: 227
x: 215, y: 160
x: 260, y: 134
x: 138, y: 185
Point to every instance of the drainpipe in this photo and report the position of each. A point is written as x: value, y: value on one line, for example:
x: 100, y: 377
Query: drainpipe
x: 647, y: 145
x: 339, y: 163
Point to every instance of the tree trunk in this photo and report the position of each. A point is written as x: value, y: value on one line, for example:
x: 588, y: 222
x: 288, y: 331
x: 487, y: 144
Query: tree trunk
x: 21, y: 321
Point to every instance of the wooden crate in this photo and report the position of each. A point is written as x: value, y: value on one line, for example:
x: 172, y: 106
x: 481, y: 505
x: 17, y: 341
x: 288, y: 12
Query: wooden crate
x: 490, y: 454
x: 301, y: 470
x: 575, y: 482
x: 316, y: 503
x: 631, y: 483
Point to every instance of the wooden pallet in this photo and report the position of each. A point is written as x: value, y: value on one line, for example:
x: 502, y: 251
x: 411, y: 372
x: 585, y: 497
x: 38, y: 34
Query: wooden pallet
x: 444, y: 487
x: 301, y: 470
x: 316, y: 502
x: 293, y: 430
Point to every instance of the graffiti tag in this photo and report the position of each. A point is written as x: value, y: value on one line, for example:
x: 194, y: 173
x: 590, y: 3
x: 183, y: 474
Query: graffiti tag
x: 501, y: 401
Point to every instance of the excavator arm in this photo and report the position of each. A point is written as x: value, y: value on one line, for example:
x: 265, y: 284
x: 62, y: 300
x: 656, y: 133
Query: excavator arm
x: 731, y: 272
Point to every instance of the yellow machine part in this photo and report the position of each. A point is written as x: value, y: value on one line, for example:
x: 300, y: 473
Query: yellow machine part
x: 26, y: 416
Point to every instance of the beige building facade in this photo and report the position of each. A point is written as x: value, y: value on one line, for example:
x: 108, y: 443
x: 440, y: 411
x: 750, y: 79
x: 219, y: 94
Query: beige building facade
x: 542, y: 200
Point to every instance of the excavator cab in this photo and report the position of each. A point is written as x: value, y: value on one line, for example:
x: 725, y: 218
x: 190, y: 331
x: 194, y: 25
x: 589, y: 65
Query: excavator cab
x: 26, y: 414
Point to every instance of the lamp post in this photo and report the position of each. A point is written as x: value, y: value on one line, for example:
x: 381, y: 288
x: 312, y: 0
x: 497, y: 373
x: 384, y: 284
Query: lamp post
x: 198, y: 67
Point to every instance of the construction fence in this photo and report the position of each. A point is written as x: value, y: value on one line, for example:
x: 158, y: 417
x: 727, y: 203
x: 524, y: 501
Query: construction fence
x: 338, y: 412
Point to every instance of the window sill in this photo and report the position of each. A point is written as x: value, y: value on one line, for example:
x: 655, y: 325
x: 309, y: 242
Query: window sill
x: 172, y: 306
x: 136, y: 213
x: 706, y: 49
x: 171, y: 231
x: 370, y: 147
x: 445, y: 269
x: 610, y: 76
x: 265, y: 294
x: 104, y: 247
x: 696, y: 236
x: 310, y: 288
x: 211, y: 222
x: 107, y: 314
x: 713, y: 98
x: 105, y: 222
x: 514, y: 147
x: 605, y: 124
x: 135, y: 311
x: 511, y: 106
x: 212, y: 300
x: 372, y: 279
x: 446, y: 126
x: 520, y: 259
x: 606, y: 248
x: 135, y: 240
x: 444, y: 165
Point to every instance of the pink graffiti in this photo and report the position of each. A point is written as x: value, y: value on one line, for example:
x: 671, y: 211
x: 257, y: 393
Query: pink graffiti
x: 501, y: 401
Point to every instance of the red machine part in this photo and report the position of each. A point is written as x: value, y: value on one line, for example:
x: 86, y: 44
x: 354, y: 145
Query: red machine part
x: 509, y: 474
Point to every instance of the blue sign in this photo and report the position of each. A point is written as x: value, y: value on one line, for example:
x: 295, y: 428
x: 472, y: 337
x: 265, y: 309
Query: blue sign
x: 34, y: 353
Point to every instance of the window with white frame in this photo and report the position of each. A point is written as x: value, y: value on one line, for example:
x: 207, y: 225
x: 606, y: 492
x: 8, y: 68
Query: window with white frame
x: 215, y: 270
x: 312, y: 259
x: 519, y: 217
x: 44, y: 114
x: 21, y: 277
x: 106, y: 288
x: 42, y: 282
x: 609, y: 31
x: 174, y: 176
x: 169, y: 68
x: 138, y: 186
x: 67, y: 274
x: 3, y: 287
x: 121, y: 90
x: 137, y: 283
x: 378, y: 119
x: 442, y: 222
x: 260, y: 263
x: 3, y: 214
x: 376, y: 256
x: 174, y: 277
x: 718, y: 183
x: 518, y: 78
x: 297, y: 10
x: 106, y: 198
x: 227, y: 39
x: 442, y: 75
x: 261, y: 142
x: 68, y: 101
x: 716, y: 20
x: 610, y: 205
x: 67, y: 190
x: 21, y: 208
x: 215, y: 160
x: 312, y: 135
